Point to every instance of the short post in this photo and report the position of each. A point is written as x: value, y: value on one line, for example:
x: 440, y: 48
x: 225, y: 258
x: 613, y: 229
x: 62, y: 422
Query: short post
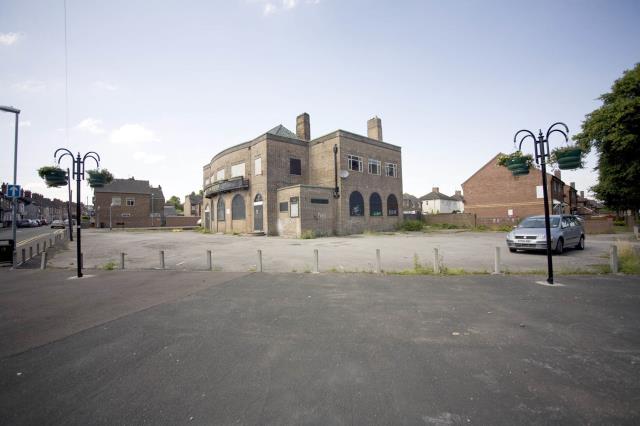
x: 30, y: 252
x: 50, y: 242
x: 496, y: 263
x: 161, y: 259
x: 122, y: 260
x: 81, y: 260
x: 37, y: 248
x: 259, y: 269
x: 44, y: 246
x: 316, y: 267
x: 24, y: 255
x: 43, y: 260
x: 378, y: 263
x: 436, y: 262
x: 209, y: 261
x: 613, y: 259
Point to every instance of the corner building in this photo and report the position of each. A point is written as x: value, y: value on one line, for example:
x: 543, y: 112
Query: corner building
x: 284, y: 183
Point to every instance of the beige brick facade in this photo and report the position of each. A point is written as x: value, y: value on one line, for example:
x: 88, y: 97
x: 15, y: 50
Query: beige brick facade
x: 263, y: 193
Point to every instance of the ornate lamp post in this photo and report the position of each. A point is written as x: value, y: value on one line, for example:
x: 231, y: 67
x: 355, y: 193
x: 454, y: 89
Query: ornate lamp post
x: 78, y: 174
x: 541, y: 148
x: 14, y: 199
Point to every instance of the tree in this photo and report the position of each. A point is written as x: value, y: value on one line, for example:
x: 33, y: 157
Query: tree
x: 614, y: 131
x: 175, y: 201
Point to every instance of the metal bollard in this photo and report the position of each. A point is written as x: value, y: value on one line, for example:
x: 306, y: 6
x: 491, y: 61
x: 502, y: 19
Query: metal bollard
x: 81, y: 260
x: 37, y: 248
x: 43, y: 260
x: 316, y: 266
x: 161, y: 259
x: 122, y: 260
x: 209, y: 261
x: 44, y: 246
x: 24, y: 255
x: 613, y: 260
x: 30, y: 252
x: 259, y: 268
x: 378, y: 263
x: 496, y: 262
x: 436, y: 262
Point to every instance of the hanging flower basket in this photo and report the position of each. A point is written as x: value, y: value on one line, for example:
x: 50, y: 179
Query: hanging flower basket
x: 517, y: 163
x: 567, y: 158
x: 99, y: 178
x: 53, y: 176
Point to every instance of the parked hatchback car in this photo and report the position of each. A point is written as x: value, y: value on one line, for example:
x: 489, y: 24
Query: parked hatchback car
x: 566, y: 231
x: 57, y: 224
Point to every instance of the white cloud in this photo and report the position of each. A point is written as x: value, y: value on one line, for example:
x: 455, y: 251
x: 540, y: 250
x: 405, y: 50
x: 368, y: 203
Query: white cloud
x: 7, y: 39
x: 147, y: 158
x: 30, y: 86
x: 289, y: 4
x: 269, y: 8
x: 105, y: 85
x: 91, y: 125
x: 132, y: 134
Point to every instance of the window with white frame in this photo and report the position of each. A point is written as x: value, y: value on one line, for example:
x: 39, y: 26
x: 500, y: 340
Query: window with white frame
x: 391, y: 169
x: 220, y: 174
x: 354, y: 162
x: 257, y: 166
x: 237, y: 170
x: 374, y: 167
x: 131, y: 202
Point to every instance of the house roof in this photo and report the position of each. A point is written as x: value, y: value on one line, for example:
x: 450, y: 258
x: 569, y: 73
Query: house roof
x: 437, y: 196
x: 280, y: 130
x: 128, y: 186
x: 194, y: 199
x: 157, y: 192
x: 458, y: 197
x: 409, y: 197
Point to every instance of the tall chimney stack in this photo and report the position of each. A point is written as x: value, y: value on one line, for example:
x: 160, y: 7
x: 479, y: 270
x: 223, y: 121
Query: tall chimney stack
x: 374, y: 128
x: 581, y: 194
x: 573, y: 185
x: 303, y: 127
x: 435, y: 189
x: 557, y: 173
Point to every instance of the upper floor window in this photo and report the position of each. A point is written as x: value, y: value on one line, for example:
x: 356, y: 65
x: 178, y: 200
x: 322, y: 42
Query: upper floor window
x: 354, y: 162
x: 237, y: 170
x: 374, y: 167
x: 391, y: 169
x: 116, y: 201
x: 220, y: 174
x: 131, y: 202
x: 257, y: 166
x: 295, y: 166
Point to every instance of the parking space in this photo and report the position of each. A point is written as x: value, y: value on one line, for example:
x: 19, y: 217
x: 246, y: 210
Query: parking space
x: 471, y: 251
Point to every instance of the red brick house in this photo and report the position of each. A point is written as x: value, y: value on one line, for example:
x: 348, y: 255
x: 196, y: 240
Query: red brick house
x: 129, y: 203
x: 496, y: 196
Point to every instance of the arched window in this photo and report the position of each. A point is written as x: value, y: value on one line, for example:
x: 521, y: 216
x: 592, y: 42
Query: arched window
x: 220, y: 209
x: 237, y: 207
x: 392, y: 205
x: 375, y: 205
x: 356, y: 204
x: 258, y: 198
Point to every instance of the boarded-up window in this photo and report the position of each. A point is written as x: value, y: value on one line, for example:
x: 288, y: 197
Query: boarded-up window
x: 220, y: 174
x: 392, y: 205
x: 295, y: 166
x: 238, y: 210
x: 284, y: 206
x: 295, y: 211
x: 319, y: 201
x: 257, y: 166
x: 375, y: 205
x: 237, y: 170
x: 220, y: 209
x: 356, y: 204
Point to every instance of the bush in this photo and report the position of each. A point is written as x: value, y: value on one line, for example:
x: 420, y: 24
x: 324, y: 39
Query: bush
x: 308, y: 235
x: 628, y: 258
x: 411, y: 225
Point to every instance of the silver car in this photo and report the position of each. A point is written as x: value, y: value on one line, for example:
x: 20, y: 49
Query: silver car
x: 566, y: 231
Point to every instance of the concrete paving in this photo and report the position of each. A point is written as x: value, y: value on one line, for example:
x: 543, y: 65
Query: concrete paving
x: 473, y: 251
x: 211, y: 348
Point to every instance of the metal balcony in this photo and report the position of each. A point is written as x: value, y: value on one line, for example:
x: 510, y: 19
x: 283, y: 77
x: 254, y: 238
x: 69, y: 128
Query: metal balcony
x: 226, y: 185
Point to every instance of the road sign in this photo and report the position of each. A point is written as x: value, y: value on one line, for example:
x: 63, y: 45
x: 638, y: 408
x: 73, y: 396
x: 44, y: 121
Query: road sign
x: 13, y: 191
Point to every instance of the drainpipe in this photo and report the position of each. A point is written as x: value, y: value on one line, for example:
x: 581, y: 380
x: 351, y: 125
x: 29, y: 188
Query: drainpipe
x: 336, y: 190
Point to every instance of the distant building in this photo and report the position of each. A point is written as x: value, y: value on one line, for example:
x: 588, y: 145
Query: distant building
x: 193, y: 205
x: 129, y: 203
x: 436, y: 202
x: 410, y: 204
x: 493, y: 192
x: 285, y: 183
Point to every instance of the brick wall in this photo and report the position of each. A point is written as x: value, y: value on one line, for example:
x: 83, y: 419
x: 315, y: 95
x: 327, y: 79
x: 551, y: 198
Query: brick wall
x: 181, y: 221
x: 459, y: 219
x: 598, y: 225
x: 136, y: 216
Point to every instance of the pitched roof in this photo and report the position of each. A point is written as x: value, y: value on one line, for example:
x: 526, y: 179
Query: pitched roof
x: 128, y: 186
x: 195, y: 199
x: 157, y: 192
x: 436, y: 196
x: 408, y: 196
x: 458, y: 197
x: 280, y: 130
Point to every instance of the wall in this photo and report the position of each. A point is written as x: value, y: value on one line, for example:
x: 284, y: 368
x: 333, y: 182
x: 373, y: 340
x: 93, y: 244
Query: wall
x: 598, y: 225
x: 139, y: 213
x: 459, y: 219
x: 181, y: 221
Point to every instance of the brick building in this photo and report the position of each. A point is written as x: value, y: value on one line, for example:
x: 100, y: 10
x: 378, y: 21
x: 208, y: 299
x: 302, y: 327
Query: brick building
x: 129, y: 203
x: 494, y: 193
x: 193, y: 205
x: 285, y: 183
x: 436, y: 202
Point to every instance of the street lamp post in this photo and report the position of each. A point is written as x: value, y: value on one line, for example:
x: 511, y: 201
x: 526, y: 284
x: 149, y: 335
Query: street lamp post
x: 78, y: 173
x: 14, y: 208
x: 541, y: 148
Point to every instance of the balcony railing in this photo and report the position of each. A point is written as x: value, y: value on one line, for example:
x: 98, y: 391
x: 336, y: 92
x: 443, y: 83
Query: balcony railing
x: 227, y: 185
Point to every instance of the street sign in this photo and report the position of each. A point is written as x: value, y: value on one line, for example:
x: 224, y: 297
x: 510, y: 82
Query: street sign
x: 13, y: 191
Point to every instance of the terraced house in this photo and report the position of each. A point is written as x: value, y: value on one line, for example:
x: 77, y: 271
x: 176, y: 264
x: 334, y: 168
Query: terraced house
x: 285, y: 183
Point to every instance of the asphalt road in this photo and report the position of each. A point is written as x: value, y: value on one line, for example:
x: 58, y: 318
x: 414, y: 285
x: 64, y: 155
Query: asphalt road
x: 162, y: 347
x: 23, y: 234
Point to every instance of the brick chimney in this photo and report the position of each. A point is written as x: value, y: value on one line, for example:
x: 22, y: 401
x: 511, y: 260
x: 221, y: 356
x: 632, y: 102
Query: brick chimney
x: 459, y: 193
x: 435, y: 189
x: 573, y: 185
x: 557, y: 174
x: 581, y: 194
x: 303, y: 127
x: 374, y: 128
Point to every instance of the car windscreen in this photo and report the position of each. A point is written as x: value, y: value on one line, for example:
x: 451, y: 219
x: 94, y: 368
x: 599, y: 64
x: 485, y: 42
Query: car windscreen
x: 538, y: 222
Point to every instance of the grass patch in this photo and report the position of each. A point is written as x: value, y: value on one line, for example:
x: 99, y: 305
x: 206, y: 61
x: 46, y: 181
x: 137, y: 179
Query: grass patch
x: 109, y: 266
x: 202, y: 230
x: 309, y: 235
x: 628, y: 258
x: 410, y: 225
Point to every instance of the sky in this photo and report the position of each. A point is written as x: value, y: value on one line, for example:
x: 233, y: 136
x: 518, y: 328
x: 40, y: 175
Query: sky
x: 158, y: 88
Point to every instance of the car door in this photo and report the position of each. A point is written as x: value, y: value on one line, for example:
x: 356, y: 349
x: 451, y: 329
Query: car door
x: 565, y: 226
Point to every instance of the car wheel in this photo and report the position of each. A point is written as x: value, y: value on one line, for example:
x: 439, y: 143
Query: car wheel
x: 512, y: 250
x: 559, y: 246
x: 580, y: 245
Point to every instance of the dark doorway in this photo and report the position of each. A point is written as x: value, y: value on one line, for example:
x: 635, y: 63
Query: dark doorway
x: 257, y: 213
